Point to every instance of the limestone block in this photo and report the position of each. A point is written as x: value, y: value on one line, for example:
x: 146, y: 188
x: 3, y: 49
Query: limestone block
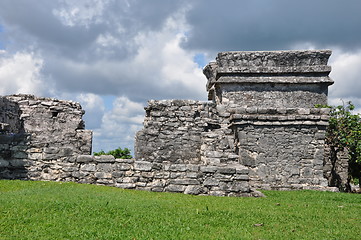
x: 70, y: 169
x: 184, y: 182
x: 84, y: 158
x: 66, y: 151
x: 86, y: 180
x: 75, y: 174
x: 101, y: 175
x: 212, y: 161
x: 130, y: 179
x: 175, y: 188
x: 217, y: 193
x: 211, y: 182
x: 123, y: 166
x: 50, y: 156
x: 88, y: 167
x: 241, y: 177
x: 157, y: 183
x: 226, y: 170
x: 51, y: 150
x: 142, y: 166
x: 194, y: 190
x: 193, y: 175
x: 192, y: 168
x: 117, y: 174
x: 208, y: 169
x: 147, y: 175
x: 140, y: 185
x: 4, y: 163
x: 178, y: 167
x: 177, y: 175
x: 105, y: 167
x: 104, y: 181
x: 242, y: 170
x: 35, y: 156
x: 49, y: 176
x: 125, y: 185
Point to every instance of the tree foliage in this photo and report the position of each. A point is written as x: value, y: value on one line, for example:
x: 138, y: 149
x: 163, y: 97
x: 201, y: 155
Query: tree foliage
x: 117, y: 153
x: 344, y: 133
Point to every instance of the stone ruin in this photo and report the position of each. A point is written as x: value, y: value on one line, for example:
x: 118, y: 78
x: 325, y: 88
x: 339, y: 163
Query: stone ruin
x: 260, y: 130
x: 38, y: 136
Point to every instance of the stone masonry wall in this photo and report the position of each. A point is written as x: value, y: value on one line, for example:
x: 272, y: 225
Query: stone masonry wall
x: 41, y: 133
x: 284, y: 148
x: 274, y: 95
x: 226, y: 180
x: 262, y: 118
x: 261, y: 130
x: 170, y: 127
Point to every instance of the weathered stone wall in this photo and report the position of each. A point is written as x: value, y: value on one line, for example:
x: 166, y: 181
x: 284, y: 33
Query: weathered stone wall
x: 226, y: 180
x: 262, y: 118
x: 273, y: 95
x: 171, y: 126
x: 294, y: 79
x: 284, y: 148
x: 261, y: 130
x: 40, y: 133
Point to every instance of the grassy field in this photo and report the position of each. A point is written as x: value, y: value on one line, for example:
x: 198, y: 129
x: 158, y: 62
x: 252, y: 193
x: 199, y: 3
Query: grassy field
x: 49, y: 210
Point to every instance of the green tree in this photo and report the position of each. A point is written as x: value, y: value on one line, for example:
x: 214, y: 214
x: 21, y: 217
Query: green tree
x: 344, y: 133
x: 117, y: 153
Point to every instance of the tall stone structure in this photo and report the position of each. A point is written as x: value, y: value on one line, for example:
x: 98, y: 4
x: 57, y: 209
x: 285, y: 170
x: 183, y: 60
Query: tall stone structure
x: 262, y: 118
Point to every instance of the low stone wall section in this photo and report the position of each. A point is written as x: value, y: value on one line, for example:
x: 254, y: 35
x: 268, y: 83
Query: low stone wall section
x: 223, y: 180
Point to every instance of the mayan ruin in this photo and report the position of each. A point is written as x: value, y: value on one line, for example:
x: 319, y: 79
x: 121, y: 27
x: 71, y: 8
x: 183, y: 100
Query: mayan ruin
x: 260, y: 129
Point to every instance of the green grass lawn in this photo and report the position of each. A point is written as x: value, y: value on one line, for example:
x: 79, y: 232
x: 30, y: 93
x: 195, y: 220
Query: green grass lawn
x: 50, y: 210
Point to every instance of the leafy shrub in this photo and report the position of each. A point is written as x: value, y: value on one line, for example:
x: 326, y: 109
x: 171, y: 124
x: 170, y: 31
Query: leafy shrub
x: 117, y: 153
x: 344, y: 133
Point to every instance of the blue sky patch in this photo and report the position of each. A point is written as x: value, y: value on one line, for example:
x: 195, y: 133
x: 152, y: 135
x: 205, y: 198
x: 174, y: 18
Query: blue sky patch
x: 108, y: 102
x: 2, y: 45
x: 200, y: 59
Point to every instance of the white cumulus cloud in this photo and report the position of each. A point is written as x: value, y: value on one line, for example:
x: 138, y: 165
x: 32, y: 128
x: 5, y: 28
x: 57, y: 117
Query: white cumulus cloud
x: 21, y: 73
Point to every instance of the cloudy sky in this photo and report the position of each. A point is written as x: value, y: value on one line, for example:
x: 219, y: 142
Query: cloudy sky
x: 114, y: 55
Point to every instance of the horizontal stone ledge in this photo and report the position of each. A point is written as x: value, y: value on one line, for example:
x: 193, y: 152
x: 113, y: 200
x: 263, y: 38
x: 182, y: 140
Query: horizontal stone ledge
x: 239, y: 112
x: 85, y: 158
x: 273, y: 69
x: 255, y: 78
x: 126, y: 160
x: 279, y: 123
x: 104, y: 159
